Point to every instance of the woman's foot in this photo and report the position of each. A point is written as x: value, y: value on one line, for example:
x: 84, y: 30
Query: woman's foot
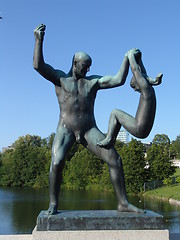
x: 156, y: 81
x: 107, y: 142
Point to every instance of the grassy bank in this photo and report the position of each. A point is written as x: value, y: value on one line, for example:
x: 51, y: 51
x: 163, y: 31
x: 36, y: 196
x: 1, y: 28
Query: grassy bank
x: 177, y: 173
x: 165, y: 192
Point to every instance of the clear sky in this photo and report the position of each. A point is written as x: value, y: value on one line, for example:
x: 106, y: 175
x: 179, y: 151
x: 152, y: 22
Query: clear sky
x: 106, y: 30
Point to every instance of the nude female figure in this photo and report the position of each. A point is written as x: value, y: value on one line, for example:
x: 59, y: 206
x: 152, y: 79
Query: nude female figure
x: 141, y: 125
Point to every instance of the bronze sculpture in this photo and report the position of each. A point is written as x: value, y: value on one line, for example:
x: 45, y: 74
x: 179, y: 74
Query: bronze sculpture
x: 76, y: 95
x: 141, y: 125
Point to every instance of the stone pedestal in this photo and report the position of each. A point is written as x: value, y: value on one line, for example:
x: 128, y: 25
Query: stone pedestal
x: 100, y: 225
x: 102, y: 235
x: 98, y: 220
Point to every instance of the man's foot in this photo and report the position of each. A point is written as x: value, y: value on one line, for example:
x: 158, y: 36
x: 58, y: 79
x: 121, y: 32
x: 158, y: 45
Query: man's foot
x: 156, y: 81
x: 52, y: 209
x: 129, y: 208
x: 105, y: 143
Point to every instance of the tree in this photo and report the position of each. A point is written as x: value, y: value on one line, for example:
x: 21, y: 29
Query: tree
x: 50, y: 140
x: 26, y: 162
x: 134, y: 166
x: 83, y: 171
x: 175, y: 147
x: 161, y: 139
x: 158, y: 157
x: 0, y: 159
x: 105, y: 181
x: 42, y: 177
x: 7, y: 168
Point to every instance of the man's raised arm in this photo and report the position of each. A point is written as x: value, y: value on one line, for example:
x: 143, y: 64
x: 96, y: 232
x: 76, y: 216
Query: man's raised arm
x: 117, y: 80
x: 39, y: 65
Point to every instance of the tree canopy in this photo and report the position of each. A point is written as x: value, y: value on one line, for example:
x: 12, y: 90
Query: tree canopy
x: 158, y: 158
x: 27, y: 163
x: 175, y: 147
x: 134, y: 164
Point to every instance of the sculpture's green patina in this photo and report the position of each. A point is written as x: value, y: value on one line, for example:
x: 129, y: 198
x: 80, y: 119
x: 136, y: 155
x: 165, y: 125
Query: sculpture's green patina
x: 76, y: 95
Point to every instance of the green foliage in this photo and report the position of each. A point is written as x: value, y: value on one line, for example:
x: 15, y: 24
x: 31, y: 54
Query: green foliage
x: 50, y: 140
x: 83, y: 171
x: 177, y: 173
x: 172, y: 191
x: 119, y: 145
x: 161, y: 139
x: 28, y: 163
x: 0, y: 159
x: 134, y: 166
x: 175, y: 147
x: 158, y: 157
x: 7, y: 169
x: 24, y: 164
x: 167, y: 181
x: 105, y: 181
x: 178, y: 179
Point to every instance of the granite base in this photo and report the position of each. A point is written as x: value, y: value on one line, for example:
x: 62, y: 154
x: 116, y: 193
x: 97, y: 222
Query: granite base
x: 102, y: 235
x: 98, y: 220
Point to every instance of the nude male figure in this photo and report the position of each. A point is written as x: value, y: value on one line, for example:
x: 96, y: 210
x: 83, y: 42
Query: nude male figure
x: 76, y: 95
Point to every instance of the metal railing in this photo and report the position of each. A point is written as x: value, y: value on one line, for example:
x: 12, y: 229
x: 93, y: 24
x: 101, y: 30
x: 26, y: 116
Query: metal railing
x: 159, y: 183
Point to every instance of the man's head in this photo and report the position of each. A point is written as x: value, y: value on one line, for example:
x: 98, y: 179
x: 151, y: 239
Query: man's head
x: 81, y: 63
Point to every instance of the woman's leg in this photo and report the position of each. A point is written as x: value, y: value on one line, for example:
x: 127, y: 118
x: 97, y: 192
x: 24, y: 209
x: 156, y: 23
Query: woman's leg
x: 117, y: 119
x: 142, y: 69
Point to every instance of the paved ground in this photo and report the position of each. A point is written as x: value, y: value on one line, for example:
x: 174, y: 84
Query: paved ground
x: 173, y: 236
x: 16, y: 237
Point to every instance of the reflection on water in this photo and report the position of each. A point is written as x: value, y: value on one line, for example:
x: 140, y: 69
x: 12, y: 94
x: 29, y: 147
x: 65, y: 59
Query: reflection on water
x: 171, y: 212
x: 19, y: 207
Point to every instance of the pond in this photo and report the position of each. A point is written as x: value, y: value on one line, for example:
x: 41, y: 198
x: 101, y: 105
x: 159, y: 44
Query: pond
x: 19, y: 207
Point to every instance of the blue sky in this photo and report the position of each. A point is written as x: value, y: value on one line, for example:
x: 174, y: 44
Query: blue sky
x: 106, y: 30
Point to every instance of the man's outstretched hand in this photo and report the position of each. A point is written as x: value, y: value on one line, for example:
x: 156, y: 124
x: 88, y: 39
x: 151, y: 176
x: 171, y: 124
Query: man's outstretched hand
x: 134, y: 51
x: 39, y: 32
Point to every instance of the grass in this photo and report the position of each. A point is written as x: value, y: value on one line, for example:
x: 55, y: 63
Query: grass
x: 177, y: 173
x: 165, y: 192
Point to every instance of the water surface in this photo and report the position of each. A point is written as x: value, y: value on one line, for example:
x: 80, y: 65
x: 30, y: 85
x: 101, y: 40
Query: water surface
x: 19, y: 207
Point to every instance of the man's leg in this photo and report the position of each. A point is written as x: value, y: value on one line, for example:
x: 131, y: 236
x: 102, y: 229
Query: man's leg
x: 62, y: 142
x: 111, y: 157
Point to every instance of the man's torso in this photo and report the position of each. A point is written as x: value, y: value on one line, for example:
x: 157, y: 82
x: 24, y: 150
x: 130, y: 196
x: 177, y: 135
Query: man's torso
x: 76, y: 100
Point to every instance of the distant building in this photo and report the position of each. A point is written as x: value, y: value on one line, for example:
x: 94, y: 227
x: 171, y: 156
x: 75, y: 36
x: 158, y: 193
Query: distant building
x: 176, y: 162
x: 4, y: 149
x: 146, y: 145
x: 123, y: 136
